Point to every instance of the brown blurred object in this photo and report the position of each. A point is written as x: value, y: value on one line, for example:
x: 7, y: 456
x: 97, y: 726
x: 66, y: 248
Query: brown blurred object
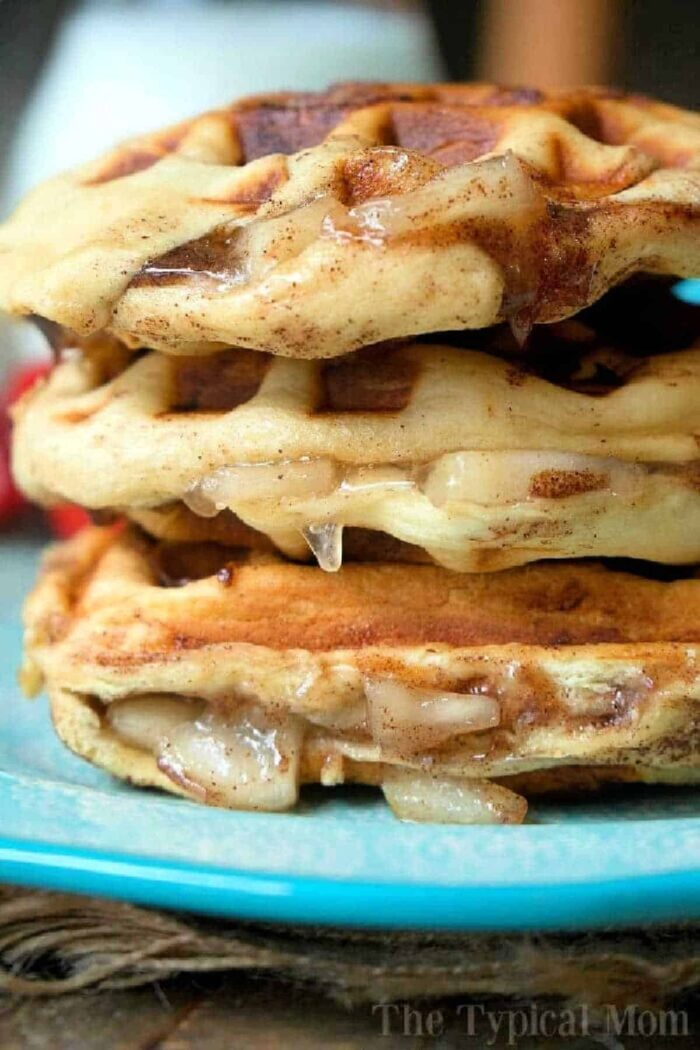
x: 549, y: 43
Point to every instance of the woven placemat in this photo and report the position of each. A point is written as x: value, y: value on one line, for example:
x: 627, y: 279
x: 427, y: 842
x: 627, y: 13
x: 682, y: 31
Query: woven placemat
x: 52, y: 944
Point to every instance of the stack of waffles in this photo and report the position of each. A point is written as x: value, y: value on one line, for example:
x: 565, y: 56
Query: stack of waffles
x: 390, y: 417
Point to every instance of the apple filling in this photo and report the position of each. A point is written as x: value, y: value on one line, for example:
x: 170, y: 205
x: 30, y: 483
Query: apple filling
x: 249, y: 763
x: 461, y: 502
x: 250, y: 757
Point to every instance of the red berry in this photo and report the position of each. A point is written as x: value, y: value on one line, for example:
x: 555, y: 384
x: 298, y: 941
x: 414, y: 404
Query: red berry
x: 66, y: 519
x: 18, y: 381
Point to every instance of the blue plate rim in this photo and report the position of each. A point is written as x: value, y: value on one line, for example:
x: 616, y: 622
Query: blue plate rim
x: 235, y: 894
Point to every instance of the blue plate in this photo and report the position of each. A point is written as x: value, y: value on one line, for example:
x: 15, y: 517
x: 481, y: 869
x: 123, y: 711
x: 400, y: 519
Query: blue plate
x: 688, y: 291
x: 342, y: 857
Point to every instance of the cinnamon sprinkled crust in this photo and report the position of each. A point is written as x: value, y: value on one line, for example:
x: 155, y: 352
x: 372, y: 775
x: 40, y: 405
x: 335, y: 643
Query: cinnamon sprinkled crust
x: 586, y: 666
x: 105, y: 574
x: 308, y: 225
x: 478, y: 461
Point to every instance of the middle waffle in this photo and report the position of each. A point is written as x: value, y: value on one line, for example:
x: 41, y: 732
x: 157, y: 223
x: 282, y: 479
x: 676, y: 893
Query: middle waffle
x: 480, y: 457
x: 480, y: 460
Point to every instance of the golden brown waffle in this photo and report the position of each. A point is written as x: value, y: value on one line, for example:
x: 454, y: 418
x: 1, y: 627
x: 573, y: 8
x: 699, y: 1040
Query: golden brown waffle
x: 407, y: 676
x: 312, y: 224
x: 477, y: 460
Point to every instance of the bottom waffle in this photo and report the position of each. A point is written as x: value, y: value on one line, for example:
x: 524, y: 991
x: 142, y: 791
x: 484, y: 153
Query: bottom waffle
x: 233, y: 677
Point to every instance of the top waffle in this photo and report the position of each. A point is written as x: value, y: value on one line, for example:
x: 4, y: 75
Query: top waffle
x: 309, y: 225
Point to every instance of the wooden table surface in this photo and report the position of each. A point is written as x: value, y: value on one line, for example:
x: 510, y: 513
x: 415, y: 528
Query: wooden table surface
x: 244, y: 1013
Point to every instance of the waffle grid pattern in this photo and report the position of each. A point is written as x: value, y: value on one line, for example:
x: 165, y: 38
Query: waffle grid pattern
x: 101, y: 627
x: 383, y: 212
x: 120, y: 445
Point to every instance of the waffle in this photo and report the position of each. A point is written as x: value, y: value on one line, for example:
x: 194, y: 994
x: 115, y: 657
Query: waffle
x: 431, y: 684
x: 309, y: 225
x: 479, y: 461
